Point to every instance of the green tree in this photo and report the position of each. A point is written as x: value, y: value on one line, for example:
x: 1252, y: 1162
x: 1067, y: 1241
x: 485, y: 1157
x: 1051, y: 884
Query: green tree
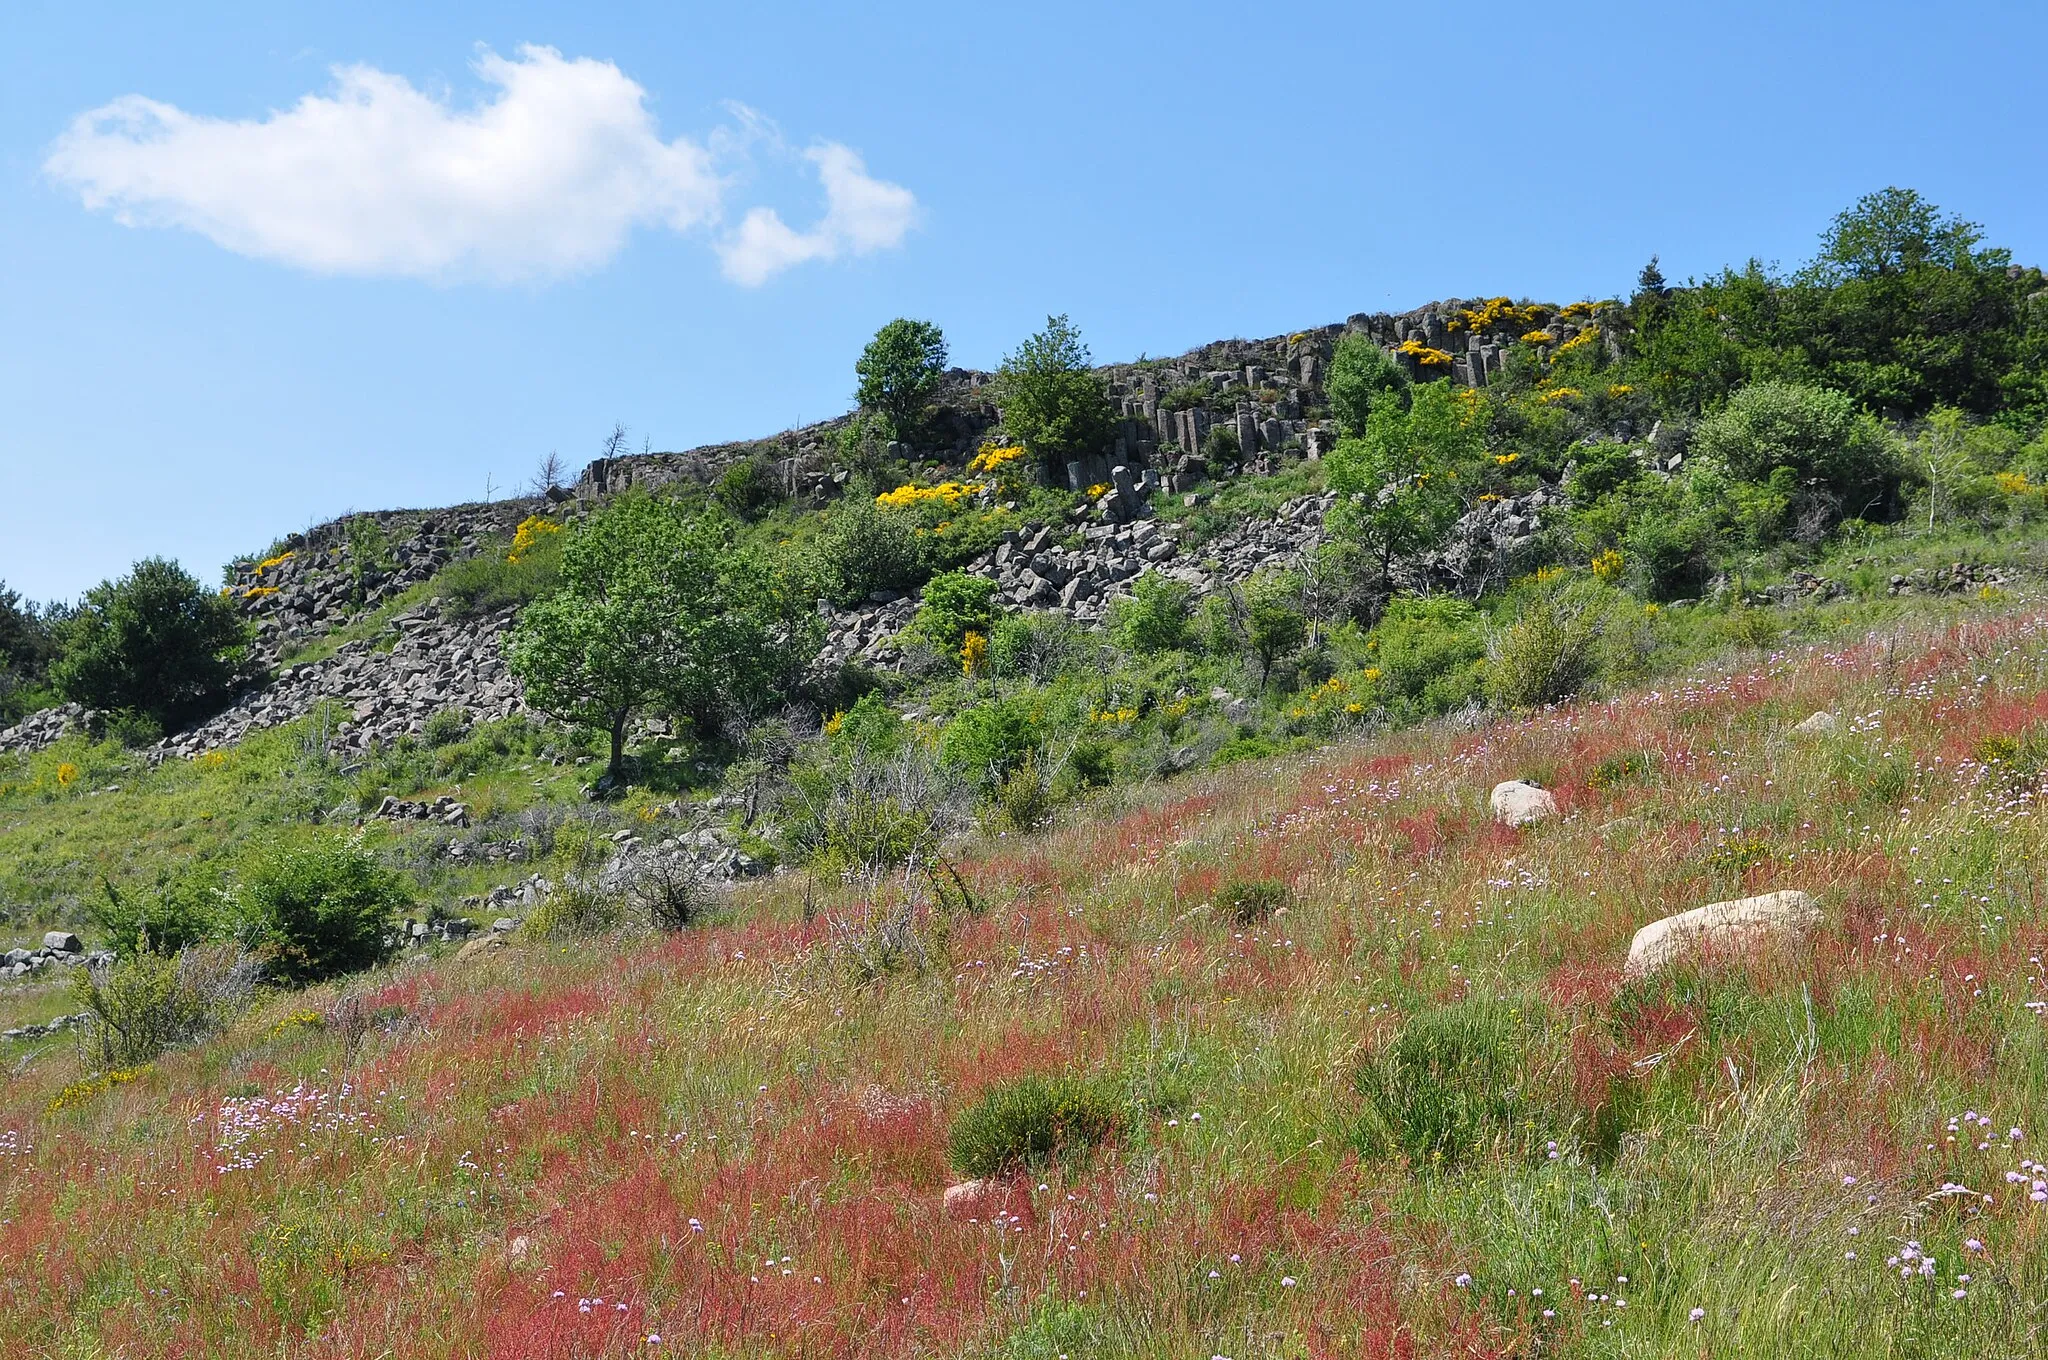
x: 1051, y: 398
x: 28, y: 643
x: 1275, y: 626
x: 1361, y: 374
x: 657, y: 608
x: 1814, y: 431
x: 898, y: 372
x: 1397, y: 483
x: 154, y: 643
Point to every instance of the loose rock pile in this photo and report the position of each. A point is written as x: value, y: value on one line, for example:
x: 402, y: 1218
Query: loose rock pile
x: 48, y: 1027
x: 431, y: 666
x: 59, y: 946
x: 443, y: 809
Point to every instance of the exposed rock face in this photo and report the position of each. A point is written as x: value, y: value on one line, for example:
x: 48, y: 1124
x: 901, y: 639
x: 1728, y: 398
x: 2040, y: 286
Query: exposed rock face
x: 1721, y: 925
x: 1518, y: 804
x: 46, y: 727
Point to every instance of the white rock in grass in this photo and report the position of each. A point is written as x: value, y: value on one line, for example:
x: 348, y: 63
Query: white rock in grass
x: 1519, y: 804
x: 1720, y: 925
x: 1820, y: 724
x: 965, y: 1198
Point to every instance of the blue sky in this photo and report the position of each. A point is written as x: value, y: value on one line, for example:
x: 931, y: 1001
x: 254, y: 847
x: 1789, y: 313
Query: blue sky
x: 234, y: 314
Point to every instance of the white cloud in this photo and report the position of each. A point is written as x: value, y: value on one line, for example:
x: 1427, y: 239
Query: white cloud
x: 548, y: 176
x: 861, y: 214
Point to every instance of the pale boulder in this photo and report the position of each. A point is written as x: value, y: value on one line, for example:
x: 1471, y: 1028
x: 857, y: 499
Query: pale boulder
x: 1721, y: 925
x: 965, y: 1198
x: 1518, y: 804
x: 1819, y: 725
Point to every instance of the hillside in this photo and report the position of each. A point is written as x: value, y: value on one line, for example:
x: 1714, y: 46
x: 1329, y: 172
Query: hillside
x: 1176, y: 857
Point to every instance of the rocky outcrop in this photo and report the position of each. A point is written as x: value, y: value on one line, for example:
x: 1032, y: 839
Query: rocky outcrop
x: 380, y: 689
x: 47, y: 727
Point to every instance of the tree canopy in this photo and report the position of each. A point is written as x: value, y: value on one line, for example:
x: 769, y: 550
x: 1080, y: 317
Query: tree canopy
x: 899, y: 371
x: 1051, y: 398
x: 154, y: 643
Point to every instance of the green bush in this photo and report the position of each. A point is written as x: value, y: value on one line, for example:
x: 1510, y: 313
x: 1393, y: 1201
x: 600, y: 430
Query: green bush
x: 1036, y: 645
x: 1552, y: 648
x: 955, y: 604
x: 149, y: 1001
x: 1157, y: 616
x: 165, y: 918
x: 1431, y: 654
x: 318, y: 909
x: 749, y: 488
x: 865, y: 548
x: 1361, y: 375
x: 445, y: 727
x: 988, y: 743
x: 1814, y: 431
x: 1220, y: 447
x: 1029, y: 1122
x: 153, y: 643
x: 1446, y: 1087
x: 1670, y: 554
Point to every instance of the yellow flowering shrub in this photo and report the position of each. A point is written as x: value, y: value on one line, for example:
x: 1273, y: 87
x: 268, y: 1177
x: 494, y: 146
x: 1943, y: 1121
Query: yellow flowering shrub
x: 78, y: 1092
x: 1097, y: 491
x: 948, y: 494
x: 1620, y: 389
x: 973, y: 654
x: 994, y: 457
x: 1579, y: 341
x: 1583, y: 309
x: 1607, y: 566
x: 67, y: 773
x: 1503, y: 459
x: 1495, y: 313
x: 1114, y: 715
x: 531, y: 533
x: 1545, y: 575
x: 211, y: 760
x: 1423, y: 353
x: 2014, y: 483
x: 1558, y: 394
x: 267, y: 563
x: 1538, y: 338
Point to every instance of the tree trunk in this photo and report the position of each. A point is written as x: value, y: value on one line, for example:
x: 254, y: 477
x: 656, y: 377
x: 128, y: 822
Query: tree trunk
x: 616, y: 770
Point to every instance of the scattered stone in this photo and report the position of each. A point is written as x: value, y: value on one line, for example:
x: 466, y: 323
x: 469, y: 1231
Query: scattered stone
x: 1720, y: 925
x: 1820, y: 724
x: 965, y: 1198
x: 63, y: 942
x: 1520, y: 804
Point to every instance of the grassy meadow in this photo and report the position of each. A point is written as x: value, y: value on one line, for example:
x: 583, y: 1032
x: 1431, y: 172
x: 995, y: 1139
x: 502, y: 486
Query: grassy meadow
x: 1371, y: 1080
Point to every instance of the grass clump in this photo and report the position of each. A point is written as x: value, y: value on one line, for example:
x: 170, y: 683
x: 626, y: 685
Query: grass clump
x: 1252, y: 900
x: 1030, y: 1122
x: 1447, y: 1087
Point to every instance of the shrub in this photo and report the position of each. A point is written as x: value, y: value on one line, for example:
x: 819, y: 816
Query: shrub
x: 1249, y: 901
x: 1431, y: 654
x: 1550, y: 651
x: 988, y: 743
x: 576, y: 909
x: 153, y: 643
x: 1157, y: 616
x: 171, y: 915
x: 955, y: 604
x: 1025, y: 799
x: 749, y: 487
x: 1814, y: 431
x: 152, y: 1001
x: 1028, y: 1122
x: 852, y: 809
x: 865, y: 548
x: 1445, y: 1087
x: 445, y: 727
x: 1036, y: 645
x: 1671, y: 553
x: 319, y: 909
x: 491, y: 581
x: 1220, y: 446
